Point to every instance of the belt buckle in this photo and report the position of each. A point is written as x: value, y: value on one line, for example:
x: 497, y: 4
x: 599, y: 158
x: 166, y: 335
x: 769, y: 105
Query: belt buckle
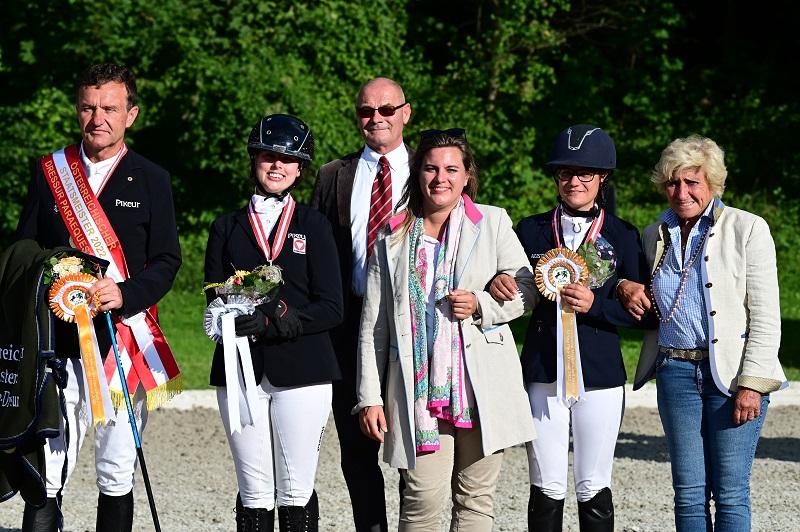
x: 695, y: 355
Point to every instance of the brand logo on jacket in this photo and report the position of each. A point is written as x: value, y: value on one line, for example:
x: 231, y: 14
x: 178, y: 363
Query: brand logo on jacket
x: 299, y: 244
x: 128, y: 204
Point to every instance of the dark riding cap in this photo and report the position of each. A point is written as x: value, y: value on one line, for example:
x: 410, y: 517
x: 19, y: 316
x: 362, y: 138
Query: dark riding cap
x: 283, y: 134
x: 584, y: 146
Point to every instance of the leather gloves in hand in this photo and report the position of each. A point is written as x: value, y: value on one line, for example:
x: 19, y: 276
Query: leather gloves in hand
x: 284, y: 318
x: 270, y: 320
x: 255, y: 324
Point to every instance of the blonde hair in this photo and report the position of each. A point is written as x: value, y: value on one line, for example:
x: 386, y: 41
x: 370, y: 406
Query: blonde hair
x: 692, y: 152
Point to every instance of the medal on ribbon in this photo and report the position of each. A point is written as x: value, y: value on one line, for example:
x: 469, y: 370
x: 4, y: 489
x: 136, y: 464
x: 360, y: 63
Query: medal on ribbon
x: 69, y: 300
x: 556, y: 269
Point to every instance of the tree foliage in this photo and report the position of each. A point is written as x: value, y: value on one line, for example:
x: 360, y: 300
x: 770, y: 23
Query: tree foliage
x: 512, y: 72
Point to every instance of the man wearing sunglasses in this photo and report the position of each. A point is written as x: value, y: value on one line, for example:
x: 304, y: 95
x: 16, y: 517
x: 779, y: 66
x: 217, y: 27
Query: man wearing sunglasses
x: 358, y: 193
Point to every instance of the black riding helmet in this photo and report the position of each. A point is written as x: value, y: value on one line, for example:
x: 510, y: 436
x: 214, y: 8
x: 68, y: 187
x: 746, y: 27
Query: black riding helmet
x: 584, y: 146
x: 283, y: 134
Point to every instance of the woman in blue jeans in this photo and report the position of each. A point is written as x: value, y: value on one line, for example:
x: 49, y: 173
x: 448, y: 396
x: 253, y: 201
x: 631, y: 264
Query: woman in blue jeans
x: 714, y: 292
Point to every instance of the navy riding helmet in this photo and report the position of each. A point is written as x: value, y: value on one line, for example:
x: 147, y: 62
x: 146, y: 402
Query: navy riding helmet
x: 584, y: 146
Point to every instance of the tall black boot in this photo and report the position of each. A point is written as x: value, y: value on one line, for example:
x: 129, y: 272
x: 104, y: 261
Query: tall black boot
x: 115, y: 514
x: 44, y: 519
x: 597, y: 514
x: 300, y: 518
x: 544, y: 514
x: 253, y: 519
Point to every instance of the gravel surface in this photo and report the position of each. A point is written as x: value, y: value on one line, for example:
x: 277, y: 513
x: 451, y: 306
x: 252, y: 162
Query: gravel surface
x: 195, y: 487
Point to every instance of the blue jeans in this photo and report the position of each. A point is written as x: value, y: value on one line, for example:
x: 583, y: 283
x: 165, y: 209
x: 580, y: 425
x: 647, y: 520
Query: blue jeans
x: 711, y: 456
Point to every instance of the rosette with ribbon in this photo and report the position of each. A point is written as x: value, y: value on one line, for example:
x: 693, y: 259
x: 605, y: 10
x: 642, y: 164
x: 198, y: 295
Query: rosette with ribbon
x: 554, y: 270
x: 239, y: 375
x: 69, y: 300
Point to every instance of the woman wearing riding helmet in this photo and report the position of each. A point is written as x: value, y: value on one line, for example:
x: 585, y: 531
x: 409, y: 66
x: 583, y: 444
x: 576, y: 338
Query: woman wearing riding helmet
x: 276, y: 454
x: 582, y: 161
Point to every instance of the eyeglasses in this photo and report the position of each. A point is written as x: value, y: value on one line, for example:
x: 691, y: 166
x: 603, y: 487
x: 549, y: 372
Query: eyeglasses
x: 456, y: 132
x: 365, y: 111
x: 584, y: 175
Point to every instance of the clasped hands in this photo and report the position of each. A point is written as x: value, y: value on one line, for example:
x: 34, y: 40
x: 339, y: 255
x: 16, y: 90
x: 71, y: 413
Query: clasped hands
x: 504, y: 288
x: 271, y: 320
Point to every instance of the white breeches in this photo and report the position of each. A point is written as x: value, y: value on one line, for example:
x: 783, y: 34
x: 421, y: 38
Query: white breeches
x: 114, y: 448
x: 595, y: 422
x: 276, y: 457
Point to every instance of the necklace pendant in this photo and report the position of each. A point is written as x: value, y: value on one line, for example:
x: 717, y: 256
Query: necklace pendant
x: 576, y: 227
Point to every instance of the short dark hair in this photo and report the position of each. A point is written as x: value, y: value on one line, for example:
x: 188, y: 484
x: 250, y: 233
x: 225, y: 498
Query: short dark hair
x: 412, y: 195
x: 103, y: 73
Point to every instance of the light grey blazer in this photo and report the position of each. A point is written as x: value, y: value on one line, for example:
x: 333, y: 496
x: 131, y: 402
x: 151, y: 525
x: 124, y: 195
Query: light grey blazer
x: 740, y: 289
x: 487, y: 246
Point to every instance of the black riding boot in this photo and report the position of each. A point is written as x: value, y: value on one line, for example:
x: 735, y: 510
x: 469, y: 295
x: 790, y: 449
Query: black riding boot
x: 300, y: 518
x: 597, y: 514
x: 544, y: 514
x: 115, y: 514
x: 253, y: 519
x: 44, y: 519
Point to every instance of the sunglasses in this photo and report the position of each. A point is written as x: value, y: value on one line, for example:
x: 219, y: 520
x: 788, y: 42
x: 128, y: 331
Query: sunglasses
x: 456, y: 132
x: 365, y: 111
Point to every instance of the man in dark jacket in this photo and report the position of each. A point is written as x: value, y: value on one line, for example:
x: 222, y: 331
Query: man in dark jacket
x: 112, y: 203
x: 357, y: 193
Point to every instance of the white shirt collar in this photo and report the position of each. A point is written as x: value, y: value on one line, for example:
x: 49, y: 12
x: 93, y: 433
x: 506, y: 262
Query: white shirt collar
x: 397, y: 158
x: 100, y: 167
x: 264, y: 205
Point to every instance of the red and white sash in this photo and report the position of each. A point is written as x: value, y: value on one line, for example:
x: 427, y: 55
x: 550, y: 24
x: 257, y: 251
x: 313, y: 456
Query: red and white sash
x: 144, y: 352
x: 271, y: 253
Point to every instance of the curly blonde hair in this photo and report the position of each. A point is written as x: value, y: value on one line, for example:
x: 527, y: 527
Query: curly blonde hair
x: 692, y: 152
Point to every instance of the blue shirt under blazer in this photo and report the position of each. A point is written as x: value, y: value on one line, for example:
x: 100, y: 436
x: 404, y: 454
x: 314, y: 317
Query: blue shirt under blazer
x: 601, y: 358
x: 312, y: 286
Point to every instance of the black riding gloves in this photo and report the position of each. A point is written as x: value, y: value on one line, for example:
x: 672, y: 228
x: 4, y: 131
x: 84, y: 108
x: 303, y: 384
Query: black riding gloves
x: 270, y: 320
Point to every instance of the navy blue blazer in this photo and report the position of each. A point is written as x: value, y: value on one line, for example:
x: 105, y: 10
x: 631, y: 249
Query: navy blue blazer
x: 312, y: 286
x: 137, y: 200
x: 601, y: 358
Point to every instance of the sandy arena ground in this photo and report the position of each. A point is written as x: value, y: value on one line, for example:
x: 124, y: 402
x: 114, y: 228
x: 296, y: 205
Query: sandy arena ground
x: 195, y: 487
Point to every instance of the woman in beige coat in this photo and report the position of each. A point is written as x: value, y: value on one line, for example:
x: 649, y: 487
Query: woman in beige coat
x: 439, y: 379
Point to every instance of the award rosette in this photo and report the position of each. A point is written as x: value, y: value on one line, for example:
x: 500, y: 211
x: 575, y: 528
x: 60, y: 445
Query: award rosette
x: 239, y: 375
x: 554, y: 270
x: 69, y: 300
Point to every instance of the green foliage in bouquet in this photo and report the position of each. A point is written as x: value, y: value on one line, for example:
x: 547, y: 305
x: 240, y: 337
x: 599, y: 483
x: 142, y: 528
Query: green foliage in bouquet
x: 600, y: 269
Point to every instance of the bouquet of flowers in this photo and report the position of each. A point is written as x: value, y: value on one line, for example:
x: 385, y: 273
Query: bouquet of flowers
x: 67, y: 265
x: 239, y: 295
x: 258, y: 285
x: 600, y: 260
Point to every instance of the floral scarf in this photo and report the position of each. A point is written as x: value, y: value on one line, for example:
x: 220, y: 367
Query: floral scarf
x: 442, y: 389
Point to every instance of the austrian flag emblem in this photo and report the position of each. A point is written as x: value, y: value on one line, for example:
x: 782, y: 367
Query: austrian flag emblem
x: 299, y: 245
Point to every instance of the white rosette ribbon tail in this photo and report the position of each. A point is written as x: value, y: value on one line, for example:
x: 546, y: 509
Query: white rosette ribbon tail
x: 219, y: 321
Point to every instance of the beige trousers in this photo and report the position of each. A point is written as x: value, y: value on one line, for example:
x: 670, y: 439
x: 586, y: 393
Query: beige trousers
x: 457, y: 468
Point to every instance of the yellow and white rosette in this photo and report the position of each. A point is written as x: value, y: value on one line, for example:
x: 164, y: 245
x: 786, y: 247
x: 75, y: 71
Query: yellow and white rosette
x: 554, y: 270
x: 239, y: 374
x: 69, y: 300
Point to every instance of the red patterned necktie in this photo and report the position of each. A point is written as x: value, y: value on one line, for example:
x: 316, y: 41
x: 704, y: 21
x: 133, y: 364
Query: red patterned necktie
x: 380, y: 203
